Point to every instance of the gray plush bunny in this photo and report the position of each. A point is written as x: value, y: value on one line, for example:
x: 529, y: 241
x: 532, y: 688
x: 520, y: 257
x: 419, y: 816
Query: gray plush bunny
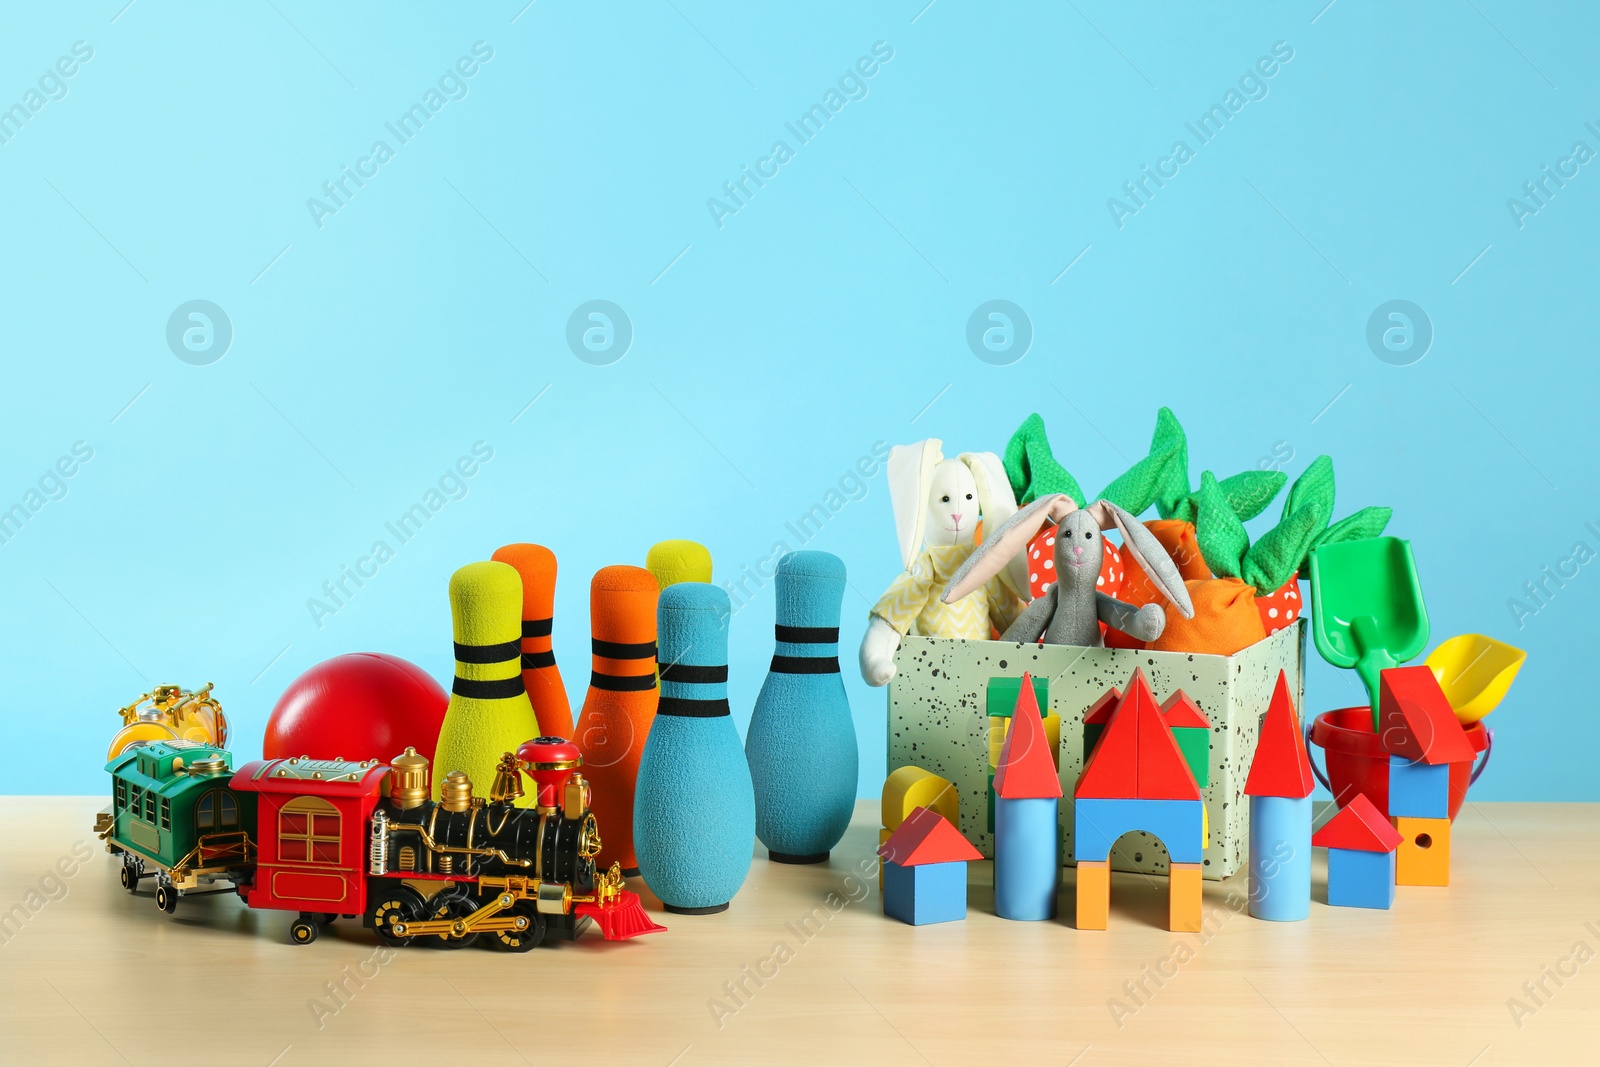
x: 1070, y: 612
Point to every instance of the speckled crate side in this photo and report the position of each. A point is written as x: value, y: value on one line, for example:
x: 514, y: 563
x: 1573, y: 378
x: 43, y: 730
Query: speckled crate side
x: 937, y: 721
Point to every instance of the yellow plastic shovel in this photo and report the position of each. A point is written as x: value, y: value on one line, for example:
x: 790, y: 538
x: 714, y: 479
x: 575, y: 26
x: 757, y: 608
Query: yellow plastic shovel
x: 1475, y: 671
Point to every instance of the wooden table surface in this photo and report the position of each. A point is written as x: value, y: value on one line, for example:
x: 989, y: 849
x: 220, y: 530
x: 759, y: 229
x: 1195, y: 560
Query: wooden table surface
x: 1495, y: 969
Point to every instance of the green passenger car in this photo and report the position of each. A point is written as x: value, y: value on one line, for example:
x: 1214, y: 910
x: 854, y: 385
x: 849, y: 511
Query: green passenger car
x: 173, y: 815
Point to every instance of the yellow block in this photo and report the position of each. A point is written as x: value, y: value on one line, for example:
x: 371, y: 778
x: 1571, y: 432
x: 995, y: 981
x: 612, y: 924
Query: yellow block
x: 1094, y: 895
x: 910, y: 788
x: 997, y: 737
x: 1183, y: 898
x: 1424, y: 856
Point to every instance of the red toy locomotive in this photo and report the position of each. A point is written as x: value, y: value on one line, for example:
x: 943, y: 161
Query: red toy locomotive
x: 331, y: 838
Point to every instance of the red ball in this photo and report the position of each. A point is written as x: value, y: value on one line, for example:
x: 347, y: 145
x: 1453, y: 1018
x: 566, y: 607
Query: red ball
x: 364, y: 705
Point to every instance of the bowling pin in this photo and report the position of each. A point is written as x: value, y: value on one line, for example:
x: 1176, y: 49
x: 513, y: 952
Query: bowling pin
x: 488, y: 714
x: 540, y: 675
x: 694, y: 814
x: 678, y: 561
x: 802, y: 741
x: 621, y: 702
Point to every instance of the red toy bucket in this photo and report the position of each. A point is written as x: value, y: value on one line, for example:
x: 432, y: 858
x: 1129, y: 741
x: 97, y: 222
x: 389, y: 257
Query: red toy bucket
x: 1358, y: 763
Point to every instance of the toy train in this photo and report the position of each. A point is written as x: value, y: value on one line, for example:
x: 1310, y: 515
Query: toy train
x: 331, y: 838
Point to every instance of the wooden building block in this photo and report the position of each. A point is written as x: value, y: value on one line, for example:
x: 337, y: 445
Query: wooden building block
x: 1419, y: 790
x: 1179, y: 824
x: 1183, y: 898
x: 1423, y: 858
x: 1001, y: 694
x: 1094, y: 895
x: 910, y: 788
x: 1358, y: 879
x: 1195, y: 744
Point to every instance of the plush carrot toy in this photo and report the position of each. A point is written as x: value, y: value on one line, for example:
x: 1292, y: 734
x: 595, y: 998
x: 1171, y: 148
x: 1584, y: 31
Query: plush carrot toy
x: 1230, y: 611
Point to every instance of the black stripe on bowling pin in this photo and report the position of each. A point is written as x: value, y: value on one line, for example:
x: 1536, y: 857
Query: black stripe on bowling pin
x: 495, y: 689
x: 790, y: 663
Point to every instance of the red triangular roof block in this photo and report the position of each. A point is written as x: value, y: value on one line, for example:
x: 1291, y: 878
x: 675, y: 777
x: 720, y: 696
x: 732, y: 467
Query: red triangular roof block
x: 1418, y: 722
x: 1102, y: 710
x: 1137, y: 757
x: 1180, y: 710
x: 1163, y: 772
x: 1359, y: 826
x: 1281, y: 767
x: 1025, y: 769
x: 927, y: 837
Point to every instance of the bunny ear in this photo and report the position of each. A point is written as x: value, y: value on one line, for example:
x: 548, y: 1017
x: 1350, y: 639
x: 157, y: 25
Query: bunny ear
x: 1147, y: 551
x: 997, y: 504
x: 910, y: 479
x: 1009, y: 540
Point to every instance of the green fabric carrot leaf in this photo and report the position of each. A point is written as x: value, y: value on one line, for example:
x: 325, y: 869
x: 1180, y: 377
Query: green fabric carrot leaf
x: 1277, y: 556
x: 1314, y: 488
x: 1249, y: 492
x: 1219, y: 530
x: 1032, y: 468
x: 1150, y: 479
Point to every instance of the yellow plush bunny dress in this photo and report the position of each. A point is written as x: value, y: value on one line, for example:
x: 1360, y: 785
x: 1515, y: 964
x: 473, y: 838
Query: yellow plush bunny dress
x: 911, y: 603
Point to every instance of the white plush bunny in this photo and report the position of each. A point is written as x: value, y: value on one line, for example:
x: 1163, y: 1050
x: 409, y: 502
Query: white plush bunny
x: 937, y: 504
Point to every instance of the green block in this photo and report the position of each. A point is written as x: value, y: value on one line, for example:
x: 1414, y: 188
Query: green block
x: 1091, y: 737
x: 1000, y: 697
x: 1195, y: 742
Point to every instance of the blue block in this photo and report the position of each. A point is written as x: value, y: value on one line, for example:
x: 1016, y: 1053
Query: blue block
x: 1280, y: 858
x: 1360, y: 879
x: 1418, y: 790
x: 1027, y: 857
x: 1097, y: 823
x: 927, y: 893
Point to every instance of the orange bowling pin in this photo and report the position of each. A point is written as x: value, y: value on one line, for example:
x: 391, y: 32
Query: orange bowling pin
x: 621, y: 702
x: 537, y: 566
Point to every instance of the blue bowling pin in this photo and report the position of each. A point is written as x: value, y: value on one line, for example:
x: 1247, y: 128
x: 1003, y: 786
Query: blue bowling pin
x: 694, y: 812
x: 802, y: 741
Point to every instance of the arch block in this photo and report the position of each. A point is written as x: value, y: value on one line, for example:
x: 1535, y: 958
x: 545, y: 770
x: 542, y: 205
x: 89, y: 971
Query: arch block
x: 1097, y: 823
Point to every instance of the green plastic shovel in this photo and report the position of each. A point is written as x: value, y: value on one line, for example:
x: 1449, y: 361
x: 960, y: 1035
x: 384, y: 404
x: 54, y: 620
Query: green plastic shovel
x: 1366, y: 607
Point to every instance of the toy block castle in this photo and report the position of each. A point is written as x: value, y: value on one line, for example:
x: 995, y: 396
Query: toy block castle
x: 1279, y: 788
x: 925, y: 870
x: 1425, y: 742
x: 1361, y: 860
x: 1027, y: 811
x: 1137, y: 778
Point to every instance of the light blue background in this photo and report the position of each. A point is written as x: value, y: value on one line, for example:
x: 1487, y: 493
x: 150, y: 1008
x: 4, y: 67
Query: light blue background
x: 771, y: 353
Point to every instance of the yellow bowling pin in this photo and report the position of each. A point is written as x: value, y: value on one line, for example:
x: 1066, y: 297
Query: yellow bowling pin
x: 489, y: 713
x: 678, y: 561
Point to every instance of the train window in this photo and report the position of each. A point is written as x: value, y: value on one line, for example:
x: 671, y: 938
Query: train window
x: 166, y: 814
x: 120, y: 794
x: 205, y: 813
x: 135, y: 801
x: 149, y: 807
x: 308, y: 831
x: 227, y: 810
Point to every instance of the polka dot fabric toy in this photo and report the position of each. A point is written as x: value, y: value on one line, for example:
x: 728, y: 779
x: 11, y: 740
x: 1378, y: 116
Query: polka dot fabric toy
x: 1281, y: 607
x: 1041, y: 566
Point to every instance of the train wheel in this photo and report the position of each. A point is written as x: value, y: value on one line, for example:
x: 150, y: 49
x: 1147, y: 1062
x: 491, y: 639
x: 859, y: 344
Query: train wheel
x: 452, y: 904
x: 303, y: 931
x: 166, y: 897
x: 529, y: 936
x: 394, y: 904
x: 130, y: 873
